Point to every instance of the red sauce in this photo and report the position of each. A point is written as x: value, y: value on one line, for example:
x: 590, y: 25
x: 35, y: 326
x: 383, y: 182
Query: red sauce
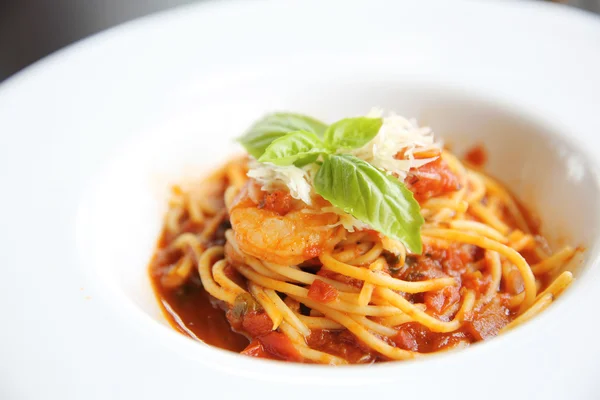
x: 190, y: 311
x: 189, y: 308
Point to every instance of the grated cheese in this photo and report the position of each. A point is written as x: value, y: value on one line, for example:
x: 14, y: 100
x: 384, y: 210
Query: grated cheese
x: 397, y: 134
x: 272, y: 177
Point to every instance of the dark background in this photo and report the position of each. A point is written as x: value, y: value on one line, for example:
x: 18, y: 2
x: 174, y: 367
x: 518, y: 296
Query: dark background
x: 32, y: 29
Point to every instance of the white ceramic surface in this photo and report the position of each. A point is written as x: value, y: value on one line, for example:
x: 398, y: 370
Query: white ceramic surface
x: 93, y: 136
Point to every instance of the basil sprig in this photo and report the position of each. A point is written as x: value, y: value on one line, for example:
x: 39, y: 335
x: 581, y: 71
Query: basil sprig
x: 273, y: 126
x: 351, y: 133
x: 349, y: 183
x: 292, y: 147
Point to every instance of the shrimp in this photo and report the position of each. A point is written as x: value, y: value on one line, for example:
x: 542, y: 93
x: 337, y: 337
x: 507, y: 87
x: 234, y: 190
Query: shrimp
x: 277, y: 228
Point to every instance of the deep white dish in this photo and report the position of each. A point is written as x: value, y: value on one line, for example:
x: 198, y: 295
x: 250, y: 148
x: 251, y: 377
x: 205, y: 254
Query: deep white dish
x: 94, y: 135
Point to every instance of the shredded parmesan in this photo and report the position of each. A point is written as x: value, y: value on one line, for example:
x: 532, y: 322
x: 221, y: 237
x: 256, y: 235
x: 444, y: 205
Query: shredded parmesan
x: 272, y: 177
x: 397, y: 135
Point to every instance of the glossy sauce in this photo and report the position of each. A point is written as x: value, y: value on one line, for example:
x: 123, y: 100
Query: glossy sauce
x: 191, y: 310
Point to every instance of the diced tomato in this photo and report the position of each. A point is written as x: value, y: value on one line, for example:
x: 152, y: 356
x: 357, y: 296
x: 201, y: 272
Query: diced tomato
x: 257, y: 323
x: 405, y: 339
x: 422, y: 268
x: 415, y: 337
x: 440, y: 300
x: 322, y: 291
x: 255, y: 349
x: 476, y: 156
x: 431, y: 180
x: 342, y: 344
x: 280, y: 346
x: 488, y: 321
x: 476, y: 281
x: 277, y: 201
x: 438, y: 262
x: 350, y: 339
x: 457, y: 258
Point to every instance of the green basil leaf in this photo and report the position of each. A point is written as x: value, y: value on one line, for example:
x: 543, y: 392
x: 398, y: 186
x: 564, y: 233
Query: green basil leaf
x: 352, y: 133
x: 292, y: 147
x: 301, y: 162
x: 369, y: 195
x: 273, y: 126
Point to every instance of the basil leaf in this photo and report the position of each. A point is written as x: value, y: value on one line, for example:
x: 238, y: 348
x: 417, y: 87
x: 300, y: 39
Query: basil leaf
x: 371, y: 196
x: 352, y: 133
x: 292, y: 147
x: 273, y: 126
x: 306, y: 160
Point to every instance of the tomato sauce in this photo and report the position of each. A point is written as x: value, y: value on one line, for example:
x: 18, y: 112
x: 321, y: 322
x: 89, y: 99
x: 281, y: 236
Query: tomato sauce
x: 189, y: 308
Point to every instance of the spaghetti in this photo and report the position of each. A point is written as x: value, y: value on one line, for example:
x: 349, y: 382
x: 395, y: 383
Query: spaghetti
x: 290, y: 281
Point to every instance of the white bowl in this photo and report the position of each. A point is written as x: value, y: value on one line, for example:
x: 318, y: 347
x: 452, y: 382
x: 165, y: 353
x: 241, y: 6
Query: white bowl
x: 539, y: 163
x: 106, y: 128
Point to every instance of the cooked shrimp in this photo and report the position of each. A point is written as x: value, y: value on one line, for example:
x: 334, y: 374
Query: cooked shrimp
x: 277, y: 228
